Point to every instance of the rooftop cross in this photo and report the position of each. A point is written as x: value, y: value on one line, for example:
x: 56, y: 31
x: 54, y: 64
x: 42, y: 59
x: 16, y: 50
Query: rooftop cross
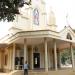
x: 67, y: 19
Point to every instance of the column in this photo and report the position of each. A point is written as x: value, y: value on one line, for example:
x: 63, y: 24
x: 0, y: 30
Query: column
x: 11, y: 58
x: 55, y: 54
x: 32, y: 58
x: 46, y: 54
x: 58, y: 56
x: 25, y: 50
x: 13, y: 62
x: 72, y: 55
x: 60, y: 59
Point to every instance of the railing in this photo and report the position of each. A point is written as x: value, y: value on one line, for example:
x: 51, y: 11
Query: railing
x: 19, y: 67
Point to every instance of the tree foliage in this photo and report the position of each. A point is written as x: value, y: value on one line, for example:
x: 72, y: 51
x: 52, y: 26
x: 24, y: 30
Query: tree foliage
x: 9, y: 8
x: 66, y: 56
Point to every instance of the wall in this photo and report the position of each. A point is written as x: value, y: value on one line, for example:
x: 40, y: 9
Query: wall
x: 8, y: 52
x: 1, y: 59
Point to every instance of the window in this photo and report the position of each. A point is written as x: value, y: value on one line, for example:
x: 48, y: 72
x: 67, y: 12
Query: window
x: 36, y: 16
x: 69, y: 36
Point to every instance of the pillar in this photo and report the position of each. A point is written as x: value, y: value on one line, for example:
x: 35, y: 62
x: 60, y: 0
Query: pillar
x: 60, y: 59
x: 46, y: 54
x: 55, y: 54
x: 13, y: 62
x: 32, y: 58
x: 25, y: 50
x: 72, y: 55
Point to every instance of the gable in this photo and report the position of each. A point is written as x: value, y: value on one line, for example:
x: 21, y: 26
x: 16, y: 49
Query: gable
x: 67, y: 33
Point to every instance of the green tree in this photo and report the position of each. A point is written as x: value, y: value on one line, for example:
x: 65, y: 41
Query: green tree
x: 66, y: 55
x: 9, y: 8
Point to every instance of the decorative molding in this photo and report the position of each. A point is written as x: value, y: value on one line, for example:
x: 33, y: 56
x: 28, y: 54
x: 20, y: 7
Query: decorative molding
x: 24, y: 16
x: 44, y: 13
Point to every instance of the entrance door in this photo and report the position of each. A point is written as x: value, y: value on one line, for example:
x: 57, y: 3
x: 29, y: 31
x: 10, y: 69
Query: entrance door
x: 36, y: 59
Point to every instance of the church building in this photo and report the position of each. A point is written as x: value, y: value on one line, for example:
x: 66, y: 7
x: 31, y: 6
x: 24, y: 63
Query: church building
x: 34, y: 38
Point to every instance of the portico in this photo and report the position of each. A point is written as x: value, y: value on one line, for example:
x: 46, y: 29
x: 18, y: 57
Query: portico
x: 43, y: 55
x: 39, y: 48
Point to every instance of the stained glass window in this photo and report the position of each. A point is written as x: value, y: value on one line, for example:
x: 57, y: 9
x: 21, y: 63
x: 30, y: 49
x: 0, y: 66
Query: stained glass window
x: 36, y: 16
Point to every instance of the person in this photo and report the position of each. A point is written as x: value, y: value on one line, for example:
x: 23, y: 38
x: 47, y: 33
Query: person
x: 26, y: 68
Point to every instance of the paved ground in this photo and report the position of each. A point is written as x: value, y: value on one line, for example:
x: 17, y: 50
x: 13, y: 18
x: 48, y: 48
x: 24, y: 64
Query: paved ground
x: 3, y: 74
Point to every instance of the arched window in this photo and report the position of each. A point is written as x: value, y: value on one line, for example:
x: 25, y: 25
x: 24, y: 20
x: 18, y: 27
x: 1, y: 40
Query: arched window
x: 69, y: 36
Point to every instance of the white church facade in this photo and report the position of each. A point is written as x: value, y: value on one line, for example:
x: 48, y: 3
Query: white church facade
x: 35, y: 39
